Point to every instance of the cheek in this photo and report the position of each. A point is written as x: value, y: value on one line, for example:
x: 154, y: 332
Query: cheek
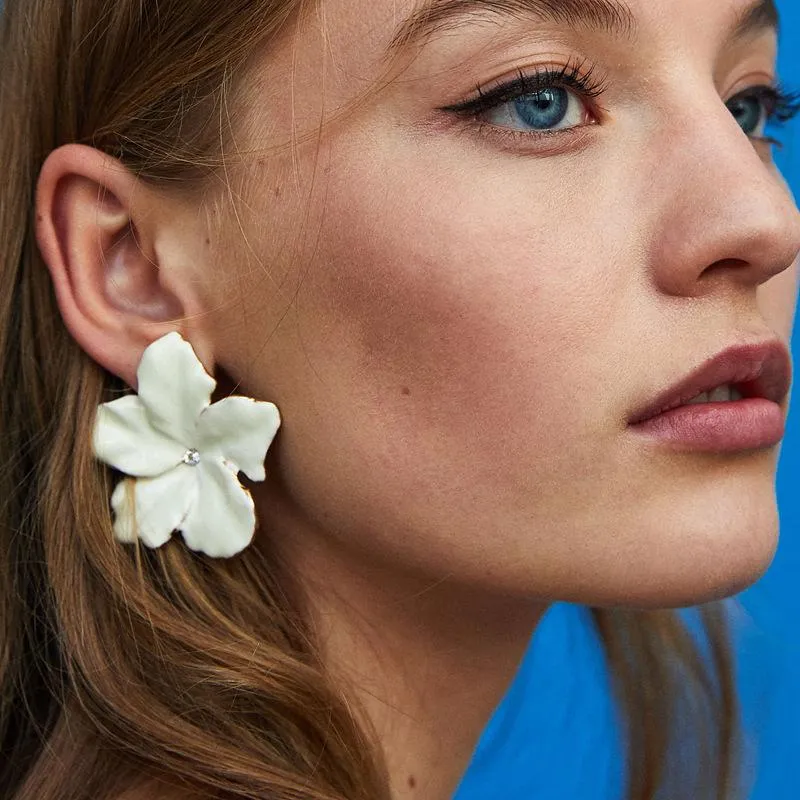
x: 474, y: 331
x: 459, y: 358
x: 777, y: 301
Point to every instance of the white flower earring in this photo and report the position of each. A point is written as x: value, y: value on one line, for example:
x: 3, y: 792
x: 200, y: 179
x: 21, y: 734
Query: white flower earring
x: 182, y: 454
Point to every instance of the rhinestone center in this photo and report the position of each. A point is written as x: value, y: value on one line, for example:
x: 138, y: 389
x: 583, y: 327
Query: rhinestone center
x: 191, y: 457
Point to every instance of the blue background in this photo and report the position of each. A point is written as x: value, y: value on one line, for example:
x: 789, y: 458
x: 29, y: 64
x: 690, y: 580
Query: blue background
x: 553, y: 736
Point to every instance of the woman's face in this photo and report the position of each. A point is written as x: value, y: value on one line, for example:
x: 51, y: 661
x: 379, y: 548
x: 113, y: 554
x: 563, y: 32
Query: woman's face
x: 459, y: 312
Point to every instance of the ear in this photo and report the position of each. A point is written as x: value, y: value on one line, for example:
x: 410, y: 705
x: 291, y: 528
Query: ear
x: 120, y: 255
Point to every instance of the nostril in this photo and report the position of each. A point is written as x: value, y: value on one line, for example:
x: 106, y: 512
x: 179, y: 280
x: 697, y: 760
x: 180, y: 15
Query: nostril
x: 727, y: 267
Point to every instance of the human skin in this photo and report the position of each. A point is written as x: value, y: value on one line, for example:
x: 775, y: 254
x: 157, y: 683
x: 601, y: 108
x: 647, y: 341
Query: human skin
x: 457, y: 327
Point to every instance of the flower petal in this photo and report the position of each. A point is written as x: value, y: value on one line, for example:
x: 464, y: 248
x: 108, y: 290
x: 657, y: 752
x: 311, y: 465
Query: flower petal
x: 160, y: 505
x: 122, y: 502
x: 125, y: 439
x: 222, y: 521
x: 174, y: 387
x: 240, y: 430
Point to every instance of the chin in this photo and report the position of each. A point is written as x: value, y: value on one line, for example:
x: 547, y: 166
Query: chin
x: 707, y: 557
x: 702, y: 536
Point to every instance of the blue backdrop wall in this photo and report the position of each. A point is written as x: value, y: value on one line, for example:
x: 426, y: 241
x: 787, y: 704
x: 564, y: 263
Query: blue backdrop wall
x: 552, y: 737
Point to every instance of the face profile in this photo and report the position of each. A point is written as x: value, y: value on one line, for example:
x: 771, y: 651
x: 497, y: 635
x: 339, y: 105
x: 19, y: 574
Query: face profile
x: 503, y: 289
x: 535, y: 231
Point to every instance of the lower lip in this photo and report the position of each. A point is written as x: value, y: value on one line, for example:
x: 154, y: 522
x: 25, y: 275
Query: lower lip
x: 751, y: 424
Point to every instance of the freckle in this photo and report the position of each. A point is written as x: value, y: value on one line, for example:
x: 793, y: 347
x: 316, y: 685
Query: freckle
x: 208, y: 241
x: 39, y: 217
x: 405, y: 390
x: 277, y: 191
x: 412, y: 782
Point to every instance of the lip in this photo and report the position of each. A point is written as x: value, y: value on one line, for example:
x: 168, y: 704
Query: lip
x: 760, y: 372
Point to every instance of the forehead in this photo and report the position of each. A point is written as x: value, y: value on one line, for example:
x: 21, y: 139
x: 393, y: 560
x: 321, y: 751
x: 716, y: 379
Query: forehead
x: 392, y: 26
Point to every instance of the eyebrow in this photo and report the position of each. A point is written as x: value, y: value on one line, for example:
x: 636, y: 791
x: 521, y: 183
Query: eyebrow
x: 612, y: 16
x: 760, y: 16
x: 435, y: 16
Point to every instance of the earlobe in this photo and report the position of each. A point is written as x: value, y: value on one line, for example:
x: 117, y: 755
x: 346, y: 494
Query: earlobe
x: 97, y: 227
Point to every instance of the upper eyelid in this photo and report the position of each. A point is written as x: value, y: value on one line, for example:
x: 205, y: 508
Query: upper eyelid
x: 585, y: 82
x: 505, y: 91
x: 517, y: 140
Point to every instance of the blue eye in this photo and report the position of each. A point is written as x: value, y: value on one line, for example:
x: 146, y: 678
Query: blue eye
x: 543, y: 110
x: 542, y: 102
x: 546, y: 109
x: 751, y: 112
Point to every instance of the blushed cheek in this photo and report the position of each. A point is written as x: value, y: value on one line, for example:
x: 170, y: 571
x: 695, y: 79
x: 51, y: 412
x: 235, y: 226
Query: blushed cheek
x: 448, y: 356
x: 777, y: 301
x: 407, y: 339
x: 449, y: 321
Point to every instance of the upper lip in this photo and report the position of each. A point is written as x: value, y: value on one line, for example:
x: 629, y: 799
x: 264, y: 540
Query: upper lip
x: 755, y: 370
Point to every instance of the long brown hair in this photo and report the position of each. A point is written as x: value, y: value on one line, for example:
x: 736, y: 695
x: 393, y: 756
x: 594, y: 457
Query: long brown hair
x: 121, y: 663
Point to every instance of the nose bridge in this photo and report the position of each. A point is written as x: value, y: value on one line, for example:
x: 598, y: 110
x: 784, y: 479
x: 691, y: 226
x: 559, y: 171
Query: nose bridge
x: 723, y: 209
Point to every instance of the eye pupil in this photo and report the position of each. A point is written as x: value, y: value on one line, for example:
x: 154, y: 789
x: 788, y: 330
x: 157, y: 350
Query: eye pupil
x: 544, y: 109
x: 748, y: 112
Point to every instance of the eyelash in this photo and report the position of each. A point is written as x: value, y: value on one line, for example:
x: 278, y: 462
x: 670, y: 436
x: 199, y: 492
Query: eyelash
x: 781, y: 106
x: 573, y: 76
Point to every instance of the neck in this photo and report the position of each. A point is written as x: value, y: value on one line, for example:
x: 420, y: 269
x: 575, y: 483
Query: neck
x: 428, y: 659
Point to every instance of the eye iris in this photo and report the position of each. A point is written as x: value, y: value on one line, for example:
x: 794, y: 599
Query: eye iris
x: 748, y: 112
x: 543, y: 109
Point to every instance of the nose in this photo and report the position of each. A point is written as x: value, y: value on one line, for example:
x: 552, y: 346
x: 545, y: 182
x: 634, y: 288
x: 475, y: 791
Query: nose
x: 725, y: 214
